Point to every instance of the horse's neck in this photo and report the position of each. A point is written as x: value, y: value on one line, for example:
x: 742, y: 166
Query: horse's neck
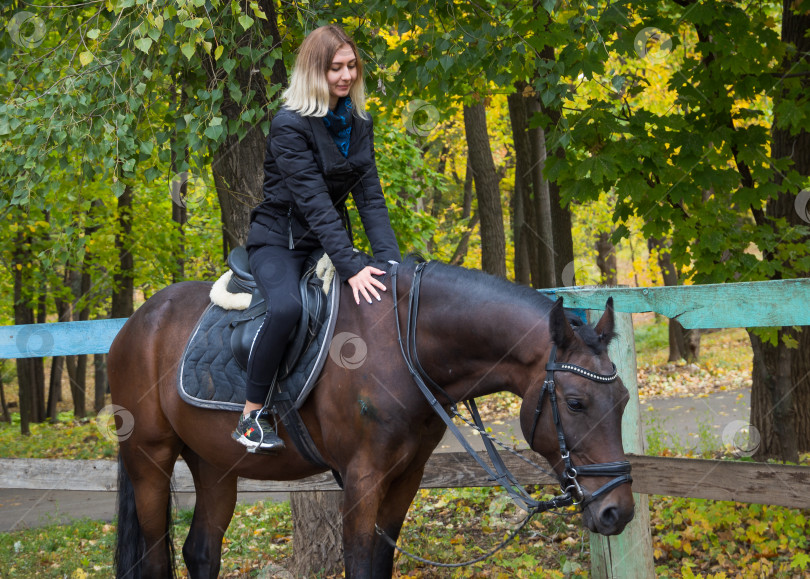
x: 472, y: 346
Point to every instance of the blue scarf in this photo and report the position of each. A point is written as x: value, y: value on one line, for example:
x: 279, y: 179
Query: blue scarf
x: 339, y: 124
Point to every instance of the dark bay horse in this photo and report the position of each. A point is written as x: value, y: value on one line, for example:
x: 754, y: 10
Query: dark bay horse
x: 476, y: 335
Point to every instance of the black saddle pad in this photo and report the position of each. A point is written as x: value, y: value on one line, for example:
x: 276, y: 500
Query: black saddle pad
x: 209, y: 376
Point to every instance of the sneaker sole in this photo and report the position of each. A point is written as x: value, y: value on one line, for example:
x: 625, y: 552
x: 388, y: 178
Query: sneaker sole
x: 244, y: 441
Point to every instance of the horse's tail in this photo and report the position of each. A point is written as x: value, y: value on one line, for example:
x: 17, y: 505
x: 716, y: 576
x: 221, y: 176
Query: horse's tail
x: 129, y: 543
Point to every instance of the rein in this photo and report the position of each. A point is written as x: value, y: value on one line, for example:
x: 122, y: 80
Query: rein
x: 573, y: 494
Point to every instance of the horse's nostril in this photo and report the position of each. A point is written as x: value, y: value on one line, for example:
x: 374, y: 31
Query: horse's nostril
x: 609, y: 517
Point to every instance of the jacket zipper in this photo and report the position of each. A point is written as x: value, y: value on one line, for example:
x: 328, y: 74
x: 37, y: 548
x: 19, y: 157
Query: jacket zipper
x: 289, y: 226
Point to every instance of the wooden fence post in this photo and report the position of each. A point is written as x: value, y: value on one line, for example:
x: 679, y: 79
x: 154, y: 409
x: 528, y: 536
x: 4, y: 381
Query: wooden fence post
x: 629, y: 555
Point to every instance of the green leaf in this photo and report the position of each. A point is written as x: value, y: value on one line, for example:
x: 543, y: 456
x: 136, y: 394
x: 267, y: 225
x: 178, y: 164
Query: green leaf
x: 187, y: 50
x: 86, y: 58
x: 246, y: 21
x: 228, y: 65
x: 800, y: 560
x: 218, y: 52
x: 143, y: 44
x: 93, y: 33
x: 213, y: 132
x: 193, y: 23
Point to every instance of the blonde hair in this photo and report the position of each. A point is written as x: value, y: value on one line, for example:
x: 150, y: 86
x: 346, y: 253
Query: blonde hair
x: 308, y: 93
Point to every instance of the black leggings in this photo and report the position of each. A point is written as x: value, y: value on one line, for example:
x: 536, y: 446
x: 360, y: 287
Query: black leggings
x: 277, y: 270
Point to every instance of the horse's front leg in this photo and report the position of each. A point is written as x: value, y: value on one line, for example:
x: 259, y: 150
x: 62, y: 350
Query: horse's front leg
x: 361, y: 503
x: 390, y: 517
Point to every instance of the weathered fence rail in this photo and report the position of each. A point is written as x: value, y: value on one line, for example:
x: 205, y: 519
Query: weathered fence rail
x: 750, y: 304
x: 720, y: 480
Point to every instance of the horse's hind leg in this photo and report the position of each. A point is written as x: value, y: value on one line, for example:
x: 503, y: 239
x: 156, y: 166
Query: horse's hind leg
x: 149, y: 467
x: 216, y: 499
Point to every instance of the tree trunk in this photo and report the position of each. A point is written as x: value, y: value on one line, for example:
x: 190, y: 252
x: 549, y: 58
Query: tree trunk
x: 683, y: 344
x: 493, y: 241
x: 6, y: 416
x: 54, y: 386
x: 540, y: 199
x: 780, y: 393
x: 560, y: 216
x: 606, y: 258
x: 317, y: 533
x: 436, y: 202
x: 238, y: 163
x: 39, y: 406
x: 123, y: 288
x: 23, y: 314
x: 533, y: 234
x: 99, y: 381
x: 466, y: 209
x: 238, y: 176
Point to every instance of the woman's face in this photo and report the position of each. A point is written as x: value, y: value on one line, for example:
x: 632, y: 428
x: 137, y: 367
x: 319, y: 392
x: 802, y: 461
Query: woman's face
x: 341, y: 74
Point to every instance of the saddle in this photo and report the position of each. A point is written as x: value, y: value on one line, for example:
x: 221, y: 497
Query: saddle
x: 212, y: 373
x: 245, y: 326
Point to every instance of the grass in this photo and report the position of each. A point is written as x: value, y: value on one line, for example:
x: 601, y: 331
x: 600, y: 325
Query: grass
x: 691, y: 538
x: 84, y: 549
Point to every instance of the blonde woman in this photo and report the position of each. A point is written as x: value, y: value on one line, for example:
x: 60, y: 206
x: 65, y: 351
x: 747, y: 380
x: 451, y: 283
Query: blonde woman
x: 320, y: 149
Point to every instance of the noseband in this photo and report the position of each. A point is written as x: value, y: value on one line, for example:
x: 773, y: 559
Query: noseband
x: 619, y: 469
x: 573, y: 494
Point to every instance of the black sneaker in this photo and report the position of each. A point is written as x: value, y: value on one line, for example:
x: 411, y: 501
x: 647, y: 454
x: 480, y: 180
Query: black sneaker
x: 255, y: 432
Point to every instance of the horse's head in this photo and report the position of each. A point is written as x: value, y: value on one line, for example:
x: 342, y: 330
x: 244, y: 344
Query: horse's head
x: 576, y: 383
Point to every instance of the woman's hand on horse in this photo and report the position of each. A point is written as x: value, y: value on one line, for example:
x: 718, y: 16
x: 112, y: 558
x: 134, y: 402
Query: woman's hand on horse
x: 364, y: 283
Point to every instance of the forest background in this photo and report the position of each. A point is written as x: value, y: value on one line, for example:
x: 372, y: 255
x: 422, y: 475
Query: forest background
x: 530, y: 139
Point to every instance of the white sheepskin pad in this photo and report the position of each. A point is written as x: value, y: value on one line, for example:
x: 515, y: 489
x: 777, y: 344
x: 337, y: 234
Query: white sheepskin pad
x: 225, y: 299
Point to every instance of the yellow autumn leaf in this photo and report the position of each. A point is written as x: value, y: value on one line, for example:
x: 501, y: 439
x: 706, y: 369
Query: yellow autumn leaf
x: 86, y: 58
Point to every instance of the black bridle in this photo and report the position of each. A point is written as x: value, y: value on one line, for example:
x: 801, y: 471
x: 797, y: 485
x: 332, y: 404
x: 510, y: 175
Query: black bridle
x: 619, y: 469
x: 573, y: 494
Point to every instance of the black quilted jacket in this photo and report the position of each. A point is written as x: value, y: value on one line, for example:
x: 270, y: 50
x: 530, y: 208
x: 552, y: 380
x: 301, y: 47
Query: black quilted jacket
x: 307, y: 181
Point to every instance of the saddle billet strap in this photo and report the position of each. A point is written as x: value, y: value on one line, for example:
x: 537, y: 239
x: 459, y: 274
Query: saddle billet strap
x: 284, y: 407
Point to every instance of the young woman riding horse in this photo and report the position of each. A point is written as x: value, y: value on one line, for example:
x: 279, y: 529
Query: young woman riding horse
x: 320, y: 148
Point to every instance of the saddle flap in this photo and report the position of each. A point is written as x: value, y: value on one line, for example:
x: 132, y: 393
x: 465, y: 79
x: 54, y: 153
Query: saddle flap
x: 313, y: 314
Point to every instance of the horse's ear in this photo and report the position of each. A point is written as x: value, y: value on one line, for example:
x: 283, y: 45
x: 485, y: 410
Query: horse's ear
x: 561, y: 332
x: 605, y: 328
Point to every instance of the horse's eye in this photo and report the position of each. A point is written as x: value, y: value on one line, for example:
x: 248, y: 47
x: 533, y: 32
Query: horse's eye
x: 575, y: 405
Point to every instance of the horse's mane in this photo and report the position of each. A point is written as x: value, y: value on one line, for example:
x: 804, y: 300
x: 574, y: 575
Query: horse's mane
x: 475, y: 283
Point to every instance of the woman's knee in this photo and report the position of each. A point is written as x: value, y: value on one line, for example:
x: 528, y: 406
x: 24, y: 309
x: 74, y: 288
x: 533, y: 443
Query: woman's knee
x: 287, y: 312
